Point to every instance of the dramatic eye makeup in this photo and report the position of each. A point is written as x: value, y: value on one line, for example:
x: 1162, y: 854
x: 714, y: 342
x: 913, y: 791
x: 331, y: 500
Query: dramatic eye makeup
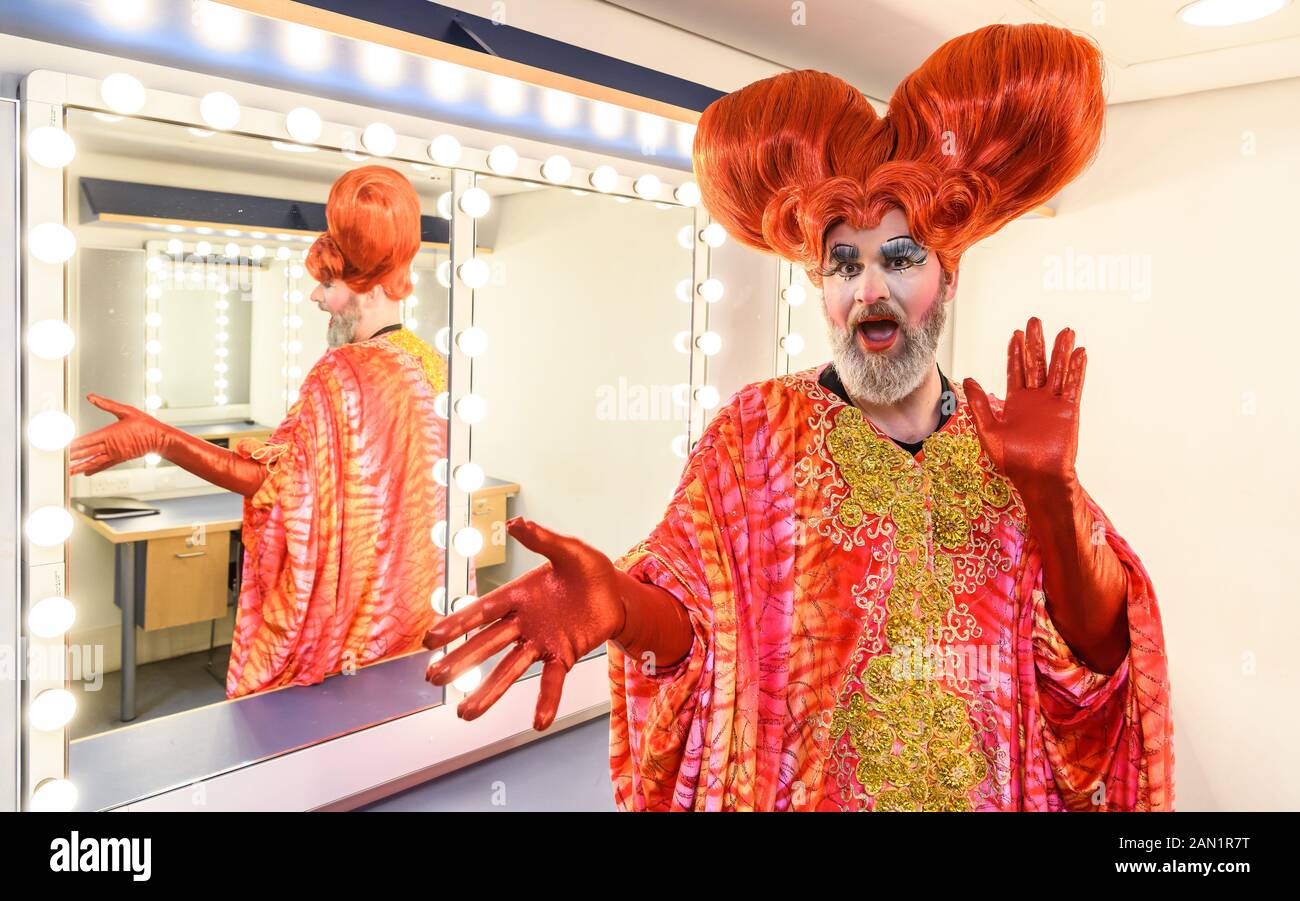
x: 844, y: 260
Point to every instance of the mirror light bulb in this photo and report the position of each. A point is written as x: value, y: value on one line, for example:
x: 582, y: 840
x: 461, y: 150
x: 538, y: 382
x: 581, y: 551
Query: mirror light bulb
x: 713, y: 235
x: 50, y: 147
x: 604, y: 179
x: 687, y: 194
x: 647, y: 186
x: 444, y: 150
x: 709, y: 343
x: 474, y: 272
x: 122, y: 93
x: 50, y: 339
x: 379, y: 138
x: 794, y: 295
x: 556, y: 169
x: 49, y: 526
x: 468, y: 541
x: 219, y: 110
x: 793, y: 344
x: 707, y: 396
x: 52, y: 709
x: 304, y: 125
x: 51, y: 242
x: 51, y: 430
x: 472, y: 341
x: 469, y: 477
x: 711, y: 290
x: 51, y: 617
x: 468, y: 681
x: 502, y: 159
x: 54, y: 795
x: 475, y: 202
x: 471, y: 408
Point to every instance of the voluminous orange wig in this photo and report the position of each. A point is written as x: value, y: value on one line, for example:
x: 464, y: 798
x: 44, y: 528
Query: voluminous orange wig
x: 991, y: 125
x: 373, y: 222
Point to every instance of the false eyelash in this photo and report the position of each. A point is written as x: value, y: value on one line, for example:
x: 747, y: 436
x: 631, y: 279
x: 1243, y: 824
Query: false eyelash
x: 904, y: 249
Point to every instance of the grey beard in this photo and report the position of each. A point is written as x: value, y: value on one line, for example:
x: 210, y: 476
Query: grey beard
x: 343, y: 326
x: 876, y: 378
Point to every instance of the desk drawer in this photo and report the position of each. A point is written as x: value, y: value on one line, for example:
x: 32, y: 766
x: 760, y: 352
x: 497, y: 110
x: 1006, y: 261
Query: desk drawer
x: 485, y: 514
x: 185, y: 583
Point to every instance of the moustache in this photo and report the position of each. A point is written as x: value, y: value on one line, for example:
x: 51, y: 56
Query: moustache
x: 877, y: 311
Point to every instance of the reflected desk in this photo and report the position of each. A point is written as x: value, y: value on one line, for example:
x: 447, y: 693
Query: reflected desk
x: 170, y: 568
x: 172, y: 565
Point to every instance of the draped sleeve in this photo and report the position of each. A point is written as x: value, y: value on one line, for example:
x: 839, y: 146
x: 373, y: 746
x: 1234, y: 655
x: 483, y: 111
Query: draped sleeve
x: 670, y: 728
x: 291, y: 535
x: 1105, y: 740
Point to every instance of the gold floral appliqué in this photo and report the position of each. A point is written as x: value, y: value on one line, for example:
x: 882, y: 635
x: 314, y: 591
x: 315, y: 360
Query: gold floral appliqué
x: 914, y: 738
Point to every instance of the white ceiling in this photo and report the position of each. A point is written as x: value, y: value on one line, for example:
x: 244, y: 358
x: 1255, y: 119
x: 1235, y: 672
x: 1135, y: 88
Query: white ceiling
x: 1150, y: 52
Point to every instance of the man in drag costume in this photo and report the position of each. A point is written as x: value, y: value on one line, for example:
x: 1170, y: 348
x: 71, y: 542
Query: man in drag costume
x: 339, y: 502
x: 874, y: 588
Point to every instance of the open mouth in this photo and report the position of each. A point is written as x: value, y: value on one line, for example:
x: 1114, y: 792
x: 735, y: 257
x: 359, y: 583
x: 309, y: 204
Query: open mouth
x: 878, y: 333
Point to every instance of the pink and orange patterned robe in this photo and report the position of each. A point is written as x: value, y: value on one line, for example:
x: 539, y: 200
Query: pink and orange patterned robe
x: 339, y: 562
x: 871, y: 633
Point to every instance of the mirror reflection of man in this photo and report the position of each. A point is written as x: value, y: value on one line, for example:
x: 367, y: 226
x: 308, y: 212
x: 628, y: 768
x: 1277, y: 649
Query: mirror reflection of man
x: 872, y: 589
x: 340, y: 501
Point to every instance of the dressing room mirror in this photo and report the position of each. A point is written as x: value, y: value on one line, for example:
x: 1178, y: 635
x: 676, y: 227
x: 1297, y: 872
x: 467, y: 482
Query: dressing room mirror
x: 586, y: 370
x: 190, y: 301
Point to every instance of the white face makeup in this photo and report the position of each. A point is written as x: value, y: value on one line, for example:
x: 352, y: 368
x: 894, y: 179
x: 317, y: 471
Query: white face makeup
x: 885, y: 299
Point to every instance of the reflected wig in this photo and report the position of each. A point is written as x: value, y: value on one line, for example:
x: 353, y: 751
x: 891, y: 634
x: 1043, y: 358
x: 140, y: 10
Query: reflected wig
x: 373, y: 222
x: 991, y: 125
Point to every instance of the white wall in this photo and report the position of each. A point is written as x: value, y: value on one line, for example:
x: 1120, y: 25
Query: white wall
x: 1188, y: 432
x: 581, y: 316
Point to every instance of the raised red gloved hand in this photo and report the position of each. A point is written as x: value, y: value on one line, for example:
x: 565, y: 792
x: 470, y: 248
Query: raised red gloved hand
x: 1035, y: 443
x: 556, y: 613
x: 136, y: 433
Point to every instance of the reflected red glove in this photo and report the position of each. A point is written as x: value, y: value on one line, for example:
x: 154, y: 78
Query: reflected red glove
x: 556, y: 613
x: 136, y: 433
x: 1035, y: 443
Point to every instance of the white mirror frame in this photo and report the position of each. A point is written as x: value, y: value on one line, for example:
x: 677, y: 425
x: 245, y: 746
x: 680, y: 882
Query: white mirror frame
x: 398, y: 753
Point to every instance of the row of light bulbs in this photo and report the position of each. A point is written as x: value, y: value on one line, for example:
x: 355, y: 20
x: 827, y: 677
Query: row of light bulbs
x: 51, y: 431
x: 124, y: 94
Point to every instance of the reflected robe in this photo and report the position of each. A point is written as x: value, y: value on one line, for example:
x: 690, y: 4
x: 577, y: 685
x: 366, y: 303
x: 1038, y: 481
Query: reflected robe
x: 339, y: 560
x: 870, y: 633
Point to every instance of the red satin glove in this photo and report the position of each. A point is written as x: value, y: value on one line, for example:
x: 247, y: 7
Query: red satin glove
x: 556, y: 613
x: 136, y: 433
x: 1035, y: 443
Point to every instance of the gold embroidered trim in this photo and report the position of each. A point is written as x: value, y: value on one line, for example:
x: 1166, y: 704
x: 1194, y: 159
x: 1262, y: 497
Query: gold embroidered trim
x: 913, y: 737
x: 432, y: 364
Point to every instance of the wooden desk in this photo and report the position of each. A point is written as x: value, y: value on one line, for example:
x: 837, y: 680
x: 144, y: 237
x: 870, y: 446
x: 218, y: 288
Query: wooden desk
x: 169, y: 566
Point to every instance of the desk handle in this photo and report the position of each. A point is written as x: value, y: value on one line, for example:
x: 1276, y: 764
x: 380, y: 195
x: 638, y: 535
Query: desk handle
x: 191, y: 554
